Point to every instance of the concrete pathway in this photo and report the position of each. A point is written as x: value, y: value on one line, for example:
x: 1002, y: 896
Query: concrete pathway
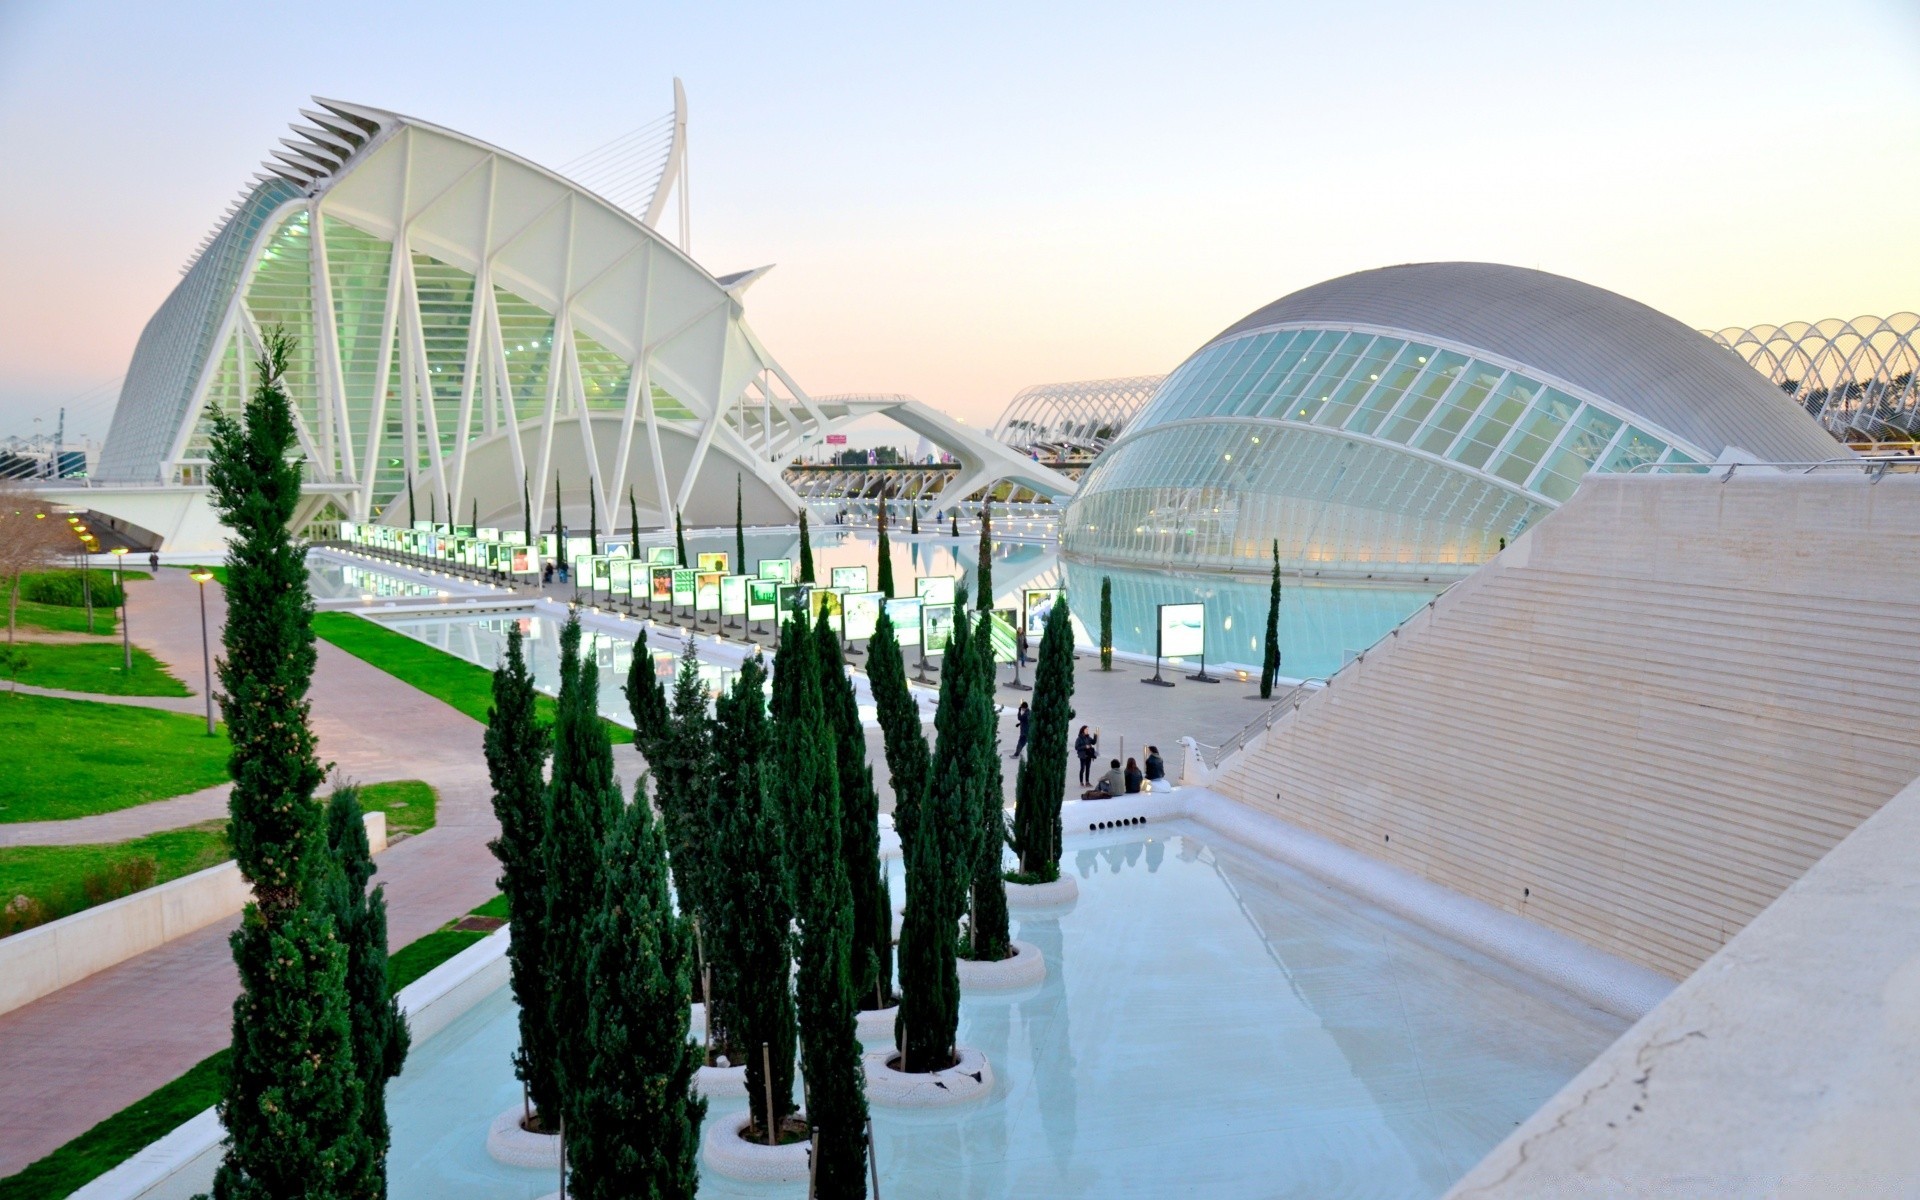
x: 193, y: 705
x: 208, y: 804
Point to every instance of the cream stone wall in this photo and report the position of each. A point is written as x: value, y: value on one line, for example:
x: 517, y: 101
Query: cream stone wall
x: 1640, y: 723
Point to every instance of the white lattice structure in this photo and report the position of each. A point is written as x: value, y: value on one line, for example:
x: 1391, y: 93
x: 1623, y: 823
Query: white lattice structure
x: 1854, y: 376
x: 1073, y: 420
x: 475, y: 331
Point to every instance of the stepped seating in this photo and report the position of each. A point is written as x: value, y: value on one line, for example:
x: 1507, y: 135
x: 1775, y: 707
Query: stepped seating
x: 1639, y: 724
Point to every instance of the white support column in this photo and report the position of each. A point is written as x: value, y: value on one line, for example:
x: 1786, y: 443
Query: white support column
x: 336, y: 439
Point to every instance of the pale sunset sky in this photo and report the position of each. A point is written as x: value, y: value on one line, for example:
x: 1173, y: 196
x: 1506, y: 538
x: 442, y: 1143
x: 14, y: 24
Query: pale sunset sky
x: 963, y: 200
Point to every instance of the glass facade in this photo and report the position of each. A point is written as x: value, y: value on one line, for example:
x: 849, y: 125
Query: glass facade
x: 1362, y: 453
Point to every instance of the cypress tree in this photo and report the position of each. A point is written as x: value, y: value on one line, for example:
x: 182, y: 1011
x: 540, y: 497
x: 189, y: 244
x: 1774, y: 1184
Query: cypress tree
x: 635, y: 1130
x: 583, y: 801
x: 985, y: 598
x: 989, y: 886
x: 593, y: 517
x: 292, y: 1105
x: 753, y: 909
x: 476, y: 516
x: 1042, y: 782
x: 913, y: 517
x: 433, y: 508
x: 516, y: 749
x: 938, y: 844
x: 1270, y: 653
x: 953, y: 529
x: 412, y: 516
x: 680, y: 539
x: 1106, y: 622
x: 739, y: 528
x: 526, y: 510
x: 683, y: 789
x: 380, y: 1037
x: 872, y: 962
x: 806, y: 550
x: 809, y: 785
x: 558, y: 522
x: 633, y: 520
x: 885, y: 551
x: 646, y: 700
x: 901, y: 739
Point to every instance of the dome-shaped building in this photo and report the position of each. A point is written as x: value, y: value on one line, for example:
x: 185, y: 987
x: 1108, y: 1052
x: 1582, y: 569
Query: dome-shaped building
x: 1402, y: 422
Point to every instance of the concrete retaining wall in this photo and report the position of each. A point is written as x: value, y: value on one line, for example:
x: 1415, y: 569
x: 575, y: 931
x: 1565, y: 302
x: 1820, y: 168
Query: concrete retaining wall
x: 182, y: 1163
x: 43, y: 960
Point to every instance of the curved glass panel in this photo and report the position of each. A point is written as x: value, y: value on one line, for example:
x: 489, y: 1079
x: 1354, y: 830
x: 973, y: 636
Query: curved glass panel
x: 1363, y: 454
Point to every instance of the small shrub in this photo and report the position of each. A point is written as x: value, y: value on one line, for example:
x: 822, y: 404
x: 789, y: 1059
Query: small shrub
x: 123, y: 878
x: 22, y: 912
x: 64, y: 589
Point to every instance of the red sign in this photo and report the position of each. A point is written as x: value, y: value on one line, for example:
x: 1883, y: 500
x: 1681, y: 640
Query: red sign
x: 836, y: 439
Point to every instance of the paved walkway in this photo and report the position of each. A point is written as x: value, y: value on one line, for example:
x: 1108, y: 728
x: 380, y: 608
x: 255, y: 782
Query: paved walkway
x: 89, y: 1050
x: 142, y: 819
x: 193, y: 705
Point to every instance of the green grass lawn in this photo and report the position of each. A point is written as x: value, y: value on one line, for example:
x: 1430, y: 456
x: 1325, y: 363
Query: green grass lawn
x: 63, y: 880
x: 92, y: 667
x: 454, y: 681
x: 411, y: 806
x: 74, y: 758
x: 134, y: 1127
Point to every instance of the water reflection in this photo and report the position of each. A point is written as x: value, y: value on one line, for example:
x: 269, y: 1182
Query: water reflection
x: 1210, y: 1025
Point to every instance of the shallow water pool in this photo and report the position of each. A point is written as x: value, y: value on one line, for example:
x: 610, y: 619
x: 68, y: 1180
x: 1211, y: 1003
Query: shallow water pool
x: 1212, y: 1024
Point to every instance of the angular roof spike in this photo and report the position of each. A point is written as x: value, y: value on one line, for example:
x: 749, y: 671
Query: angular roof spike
x: 335, y: 125
x: 326, y: 162
x: 333, y: 143
x: 367, y: 119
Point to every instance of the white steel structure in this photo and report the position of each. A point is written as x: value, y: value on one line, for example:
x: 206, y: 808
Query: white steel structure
x: 474, y: 329
x: 1857, y: 377
x: 1073, y: 420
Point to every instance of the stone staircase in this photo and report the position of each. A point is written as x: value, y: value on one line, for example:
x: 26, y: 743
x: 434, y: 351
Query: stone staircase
x: 1640, y: 723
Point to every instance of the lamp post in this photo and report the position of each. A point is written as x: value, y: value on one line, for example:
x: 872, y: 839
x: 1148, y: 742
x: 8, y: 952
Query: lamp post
x: 206, y: 650
x: 120, y: 577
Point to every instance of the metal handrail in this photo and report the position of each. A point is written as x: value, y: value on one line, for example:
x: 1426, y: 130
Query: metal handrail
x: 1872, y: 467
x: 1213, y: 756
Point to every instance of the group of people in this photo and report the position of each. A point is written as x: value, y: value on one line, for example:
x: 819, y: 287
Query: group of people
x: 1119, y: 780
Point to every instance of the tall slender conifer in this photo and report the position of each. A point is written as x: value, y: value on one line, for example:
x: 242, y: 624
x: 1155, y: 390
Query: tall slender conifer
x: 872, y: 962
x: 739, y: 528
x: 823, y: 903
x: 806, y: 550
x: 1270, y: 650
x: 988, y: 911
x: 516, y: 750
x: 753, y: 911
x: 885, y: 552
x: 292, y: 1107
x: 1041, y: 785
x: 985, y: 597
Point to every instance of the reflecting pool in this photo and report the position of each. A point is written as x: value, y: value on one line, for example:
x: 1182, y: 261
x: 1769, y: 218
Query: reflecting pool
x: 1322, y: 625
x: 1212, y: 1024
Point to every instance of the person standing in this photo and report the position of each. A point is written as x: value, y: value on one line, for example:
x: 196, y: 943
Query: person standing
x: 1021, y: 718
x: 1087, y: 746
x: 1020, y: 639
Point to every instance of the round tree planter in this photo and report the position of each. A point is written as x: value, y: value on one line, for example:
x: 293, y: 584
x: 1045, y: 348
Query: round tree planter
x: 876, y: 1024
x: 720, y: 1082
x: 508, y: 1143
x: 1024, y: 968
x: 970, y: 1079
x: 1061, y: 893
x: 752, y: 1162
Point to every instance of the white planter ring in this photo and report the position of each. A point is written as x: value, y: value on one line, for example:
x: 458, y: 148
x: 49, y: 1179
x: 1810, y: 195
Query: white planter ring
x: 969, y: 1079
x: 1061, y: 893
x: 727, y: 1153
x: 1024, y: 968
x: 876, y: 1024
x: 720, y: 1082
x: 508, y: 1143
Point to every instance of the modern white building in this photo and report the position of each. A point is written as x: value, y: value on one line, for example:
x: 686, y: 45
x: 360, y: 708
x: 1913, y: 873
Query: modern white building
x: 473, y: 330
